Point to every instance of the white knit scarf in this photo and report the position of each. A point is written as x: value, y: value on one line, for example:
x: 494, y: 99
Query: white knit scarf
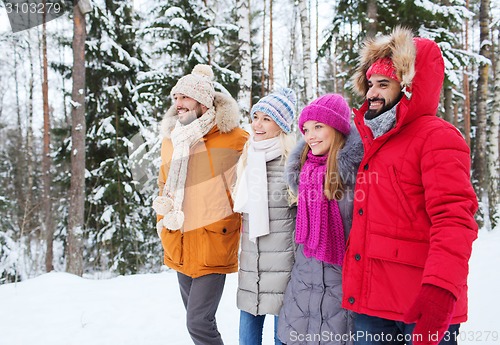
x: 169, y: 204
x: 252, y: 194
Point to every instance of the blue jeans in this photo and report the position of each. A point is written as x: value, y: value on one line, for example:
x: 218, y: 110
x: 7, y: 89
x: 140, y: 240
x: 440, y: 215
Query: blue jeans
x: 371, y: 330
x: 251, y: 329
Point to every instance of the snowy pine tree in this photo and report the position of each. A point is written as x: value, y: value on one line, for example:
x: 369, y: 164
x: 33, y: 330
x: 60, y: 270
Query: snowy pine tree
x: 435, y: 20
x: 183, y: 33
x: 119, y: 219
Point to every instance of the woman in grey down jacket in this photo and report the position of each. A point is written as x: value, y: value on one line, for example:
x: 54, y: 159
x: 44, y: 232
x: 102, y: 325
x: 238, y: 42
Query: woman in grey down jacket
x: 312, y: 312
x: 267, y: 247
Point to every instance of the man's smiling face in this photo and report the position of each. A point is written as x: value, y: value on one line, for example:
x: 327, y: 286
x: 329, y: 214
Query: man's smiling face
x: 187, y: 108
x: 383, y: 94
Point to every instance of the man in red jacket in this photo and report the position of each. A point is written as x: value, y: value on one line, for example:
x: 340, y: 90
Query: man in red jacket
x: 406, y: 266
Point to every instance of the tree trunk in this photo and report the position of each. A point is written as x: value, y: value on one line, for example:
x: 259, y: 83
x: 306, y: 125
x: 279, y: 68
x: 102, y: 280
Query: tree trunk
x: 209, y: 47
x: 317, y: 48
x: 466, y: 85
x: 333, y: 62
x: 245, y: 83
x: 263, y: 75
x: 448, y: 104
x: 372, y: 14
x: 29, y: 204
x: 65, y: 96
x: 480, y: 144
x: 270, y: 63
x: 467, y: 128
x: 455, y: 115
x: 30, y: 159
x: 292, y: 80
x: 78, y: 129
x: 305, y: 26
x: 493, y: 148
x: 48, y: 222
x: 20, y: 162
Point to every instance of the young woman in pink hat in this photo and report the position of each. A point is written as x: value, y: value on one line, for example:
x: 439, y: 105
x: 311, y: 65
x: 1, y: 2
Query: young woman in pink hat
x: 323, y: 172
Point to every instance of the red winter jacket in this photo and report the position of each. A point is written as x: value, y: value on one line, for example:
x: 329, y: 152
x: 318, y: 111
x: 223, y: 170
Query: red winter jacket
x: 414, y: 204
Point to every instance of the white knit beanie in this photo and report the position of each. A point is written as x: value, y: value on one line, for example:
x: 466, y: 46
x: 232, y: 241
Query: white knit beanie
x: 198, y: 85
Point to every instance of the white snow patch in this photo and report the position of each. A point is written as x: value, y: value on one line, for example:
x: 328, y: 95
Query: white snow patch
x: 62, y: 309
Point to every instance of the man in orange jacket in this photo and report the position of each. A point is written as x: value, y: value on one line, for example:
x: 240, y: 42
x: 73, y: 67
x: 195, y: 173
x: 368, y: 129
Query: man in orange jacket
x: 198, y: 229
x: 406, y: 265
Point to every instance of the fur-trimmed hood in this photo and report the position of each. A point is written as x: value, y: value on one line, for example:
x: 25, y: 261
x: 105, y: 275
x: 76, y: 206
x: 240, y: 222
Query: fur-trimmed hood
x: 227, y: 115
x: 398, y: 46
x: 419, y: 65
x: 349, y: 158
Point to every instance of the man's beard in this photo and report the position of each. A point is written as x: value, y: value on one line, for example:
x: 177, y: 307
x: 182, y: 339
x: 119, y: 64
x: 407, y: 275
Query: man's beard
x: 373, y: 113
x: 189, y: 116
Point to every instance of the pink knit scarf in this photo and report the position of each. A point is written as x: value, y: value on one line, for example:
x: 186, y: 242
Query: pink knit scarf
x: 319, y: 224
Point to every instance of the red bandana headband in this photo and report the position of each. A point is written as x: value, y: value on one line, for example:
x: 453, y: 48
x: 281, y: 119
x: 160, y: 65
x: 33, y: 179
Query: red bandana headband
x: 383, y: 66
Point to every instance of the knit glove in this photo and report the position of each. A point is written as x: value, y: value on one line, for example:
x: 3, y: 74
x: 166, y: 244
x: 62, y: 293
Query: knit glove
x: 432, y: 312
x: 159, y: 228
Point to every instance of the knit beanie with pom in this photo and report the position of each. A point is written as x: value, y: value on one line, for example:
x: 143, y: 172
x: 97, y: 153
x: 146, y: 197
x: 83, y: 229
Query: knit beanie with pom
x: 330, y: 109
x: 280, y: 106
x: 198, y: 85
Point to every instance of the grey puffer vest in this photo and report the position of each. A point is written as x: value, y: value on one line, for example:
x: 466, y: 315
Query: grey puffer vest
x: 265, y: 265
x: 312, y: 312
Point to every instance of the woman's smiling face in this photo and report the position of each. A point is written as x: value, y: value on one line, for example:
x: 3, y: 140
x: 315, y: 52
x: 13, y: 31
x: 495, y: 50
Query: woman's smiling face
x: 318, y: 136
x: 264, y: 127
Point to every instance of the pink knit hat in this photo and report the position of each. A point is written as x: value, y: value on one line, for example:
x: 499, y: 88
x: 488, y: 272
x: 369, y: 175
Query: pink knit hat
x: 330, y: 109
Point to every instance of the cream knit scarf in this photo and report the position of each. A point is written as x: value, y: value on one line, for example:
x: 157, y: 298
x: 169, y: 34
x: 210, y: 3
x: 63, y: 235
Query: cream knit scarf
x: 252, y: 194
x: 169, y: 204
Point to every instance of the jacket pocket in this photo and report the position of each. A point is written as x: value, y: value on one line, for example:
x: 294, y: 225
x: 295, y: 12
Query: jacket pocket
x: 172, y: 245
x: 400, y: 194
x: 220, y: 243
x: 405, y: 252
x: 396, y: 267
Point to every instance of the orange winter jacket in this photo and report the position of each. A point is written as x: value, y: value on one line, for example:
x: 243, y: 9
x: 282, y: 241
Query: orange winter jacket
x: 208, y: 242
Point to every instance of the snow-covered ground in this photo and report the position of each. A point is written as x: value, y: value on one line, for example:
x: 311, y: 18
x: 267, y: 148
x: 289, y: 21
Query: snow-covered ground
x: 62, y: 309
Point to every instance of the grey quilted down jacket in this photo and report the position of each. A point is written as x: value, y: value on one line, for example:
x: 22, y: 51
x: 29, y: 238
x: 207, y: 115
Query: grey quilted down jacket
x: 312, y: 312
x: 265, y: 266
